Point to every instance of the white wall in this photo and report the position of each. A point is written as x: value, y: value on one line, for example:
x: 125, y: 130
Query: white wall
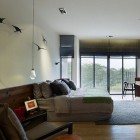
x: 16, y: 49
x: 75, y: 63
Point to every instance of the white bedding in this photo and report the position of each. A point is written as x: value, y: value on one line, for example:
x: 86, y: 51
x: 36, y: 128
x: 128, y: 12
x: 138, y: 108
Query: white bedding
x: 73, y: 103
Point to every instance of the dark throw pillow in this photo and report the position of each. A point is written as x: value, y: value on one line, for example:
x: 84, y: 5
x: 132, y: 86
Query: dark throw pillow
x: 55, y: 88
x: 64, y: 88
x: 46, y: 90
x: 66, y: 81
x: 72, y: 85
x: 37, y: 90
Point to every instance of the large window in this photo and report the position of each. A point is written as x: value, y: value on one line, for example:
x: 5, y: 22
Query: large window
x: 94, y: 72
x: 101, y: 72
x: 129, y: 66
x: 115, y: 75
x: 107, y: 72
x: 87, y: 71
x: 66, y: 67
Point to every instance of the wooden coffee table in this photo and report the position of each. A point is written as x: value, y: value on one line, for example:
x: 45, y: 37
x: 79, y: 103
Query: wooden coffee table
x: 68, y: 137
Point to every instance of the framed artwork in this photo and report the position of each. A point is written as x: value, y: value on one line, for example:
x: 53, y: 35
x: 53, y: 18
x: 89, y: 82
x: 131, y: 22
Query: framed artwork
x: 31, y: 104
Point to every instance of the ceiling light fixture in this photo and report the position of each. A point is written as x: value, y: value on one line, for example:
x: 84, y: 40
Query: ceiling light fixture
x: 109, y: 36
x: 62, y: 11
x: 33, y: 74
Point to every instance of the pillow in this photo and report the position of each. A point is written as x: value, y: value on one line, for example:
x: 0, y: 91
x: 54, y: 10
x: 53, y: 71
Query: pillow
x: 37, y: 90
x: 46, y: 89
x: 72, y: 85
x: 66, y: 81
x: 64, y: 88
x: 48, y: 81
x: 55, y: 88
x: 10, y: 124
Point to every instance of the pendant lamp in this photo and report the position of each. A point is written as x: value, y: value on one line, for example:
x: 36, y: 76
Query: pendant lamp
x: 33, y: 74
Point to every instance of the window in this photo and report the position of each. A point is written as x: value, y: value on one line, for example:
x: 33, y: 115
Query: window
x: 66, y: 67
x: 115, y: 74
x: 129, y: 66
x: 101, y: 72
x: 87, y: 70
x: 107, y: 72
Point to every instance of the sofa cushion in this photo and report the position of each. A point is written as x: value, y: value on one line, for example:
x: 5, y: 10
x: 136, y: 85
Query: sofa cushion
x: 46, y: 89
x: 10, y: 124
x: 37, y: 90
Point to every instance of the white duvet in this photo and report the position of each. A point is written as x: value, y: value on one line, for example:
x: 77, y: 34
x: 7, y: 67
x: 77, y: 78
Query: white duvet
x: 73, y: 103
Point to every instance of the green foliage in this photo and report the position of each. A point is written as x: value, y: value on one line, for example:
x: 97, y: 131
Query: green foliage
x: 87, y: 76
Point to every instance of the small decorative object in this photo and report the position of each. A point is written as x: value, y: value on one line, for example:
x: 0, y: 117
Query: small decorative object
x: 62, y: 11
x: 44, y: 39
x: 33, y: 74
x: 1, y: 20
x: 39, y: 48
x: 31, y: 105
x: 56, y: 63
x: 17, y: 29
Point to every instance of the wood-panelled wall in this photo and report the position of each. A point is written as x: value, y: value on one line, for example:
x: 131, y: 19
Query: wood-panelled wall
x: 15, y: 96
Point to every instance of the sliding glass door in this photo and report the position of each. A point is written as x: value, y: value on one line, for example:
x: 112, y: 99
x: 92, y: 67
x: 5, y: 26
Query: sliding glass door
x: 87, y: 72
x: 94, y: 72
x: 129, y: 66
x: 129, y: 70
x: 107, y: 72
x: 115, y: 75
x: 101, y: 72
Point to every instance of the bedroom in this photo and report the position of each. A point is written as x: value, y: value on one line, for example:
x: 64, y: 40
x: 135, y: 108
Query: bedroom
x: 16, y: 48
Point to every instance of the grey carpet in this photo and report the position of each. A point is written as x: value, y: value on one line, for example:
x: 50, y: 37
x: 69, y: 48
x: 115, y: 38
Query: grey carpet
x: 124, y: 112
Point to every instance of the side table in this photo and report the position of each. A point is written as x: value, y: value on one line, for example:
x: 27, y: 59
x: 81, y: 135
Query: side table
x: 38, y: 115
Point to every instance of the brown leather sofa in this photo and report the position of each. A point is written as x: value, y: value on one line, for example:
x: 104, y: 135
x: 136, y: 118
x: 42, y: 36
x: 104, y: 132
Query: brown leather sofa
x: 12, y: 129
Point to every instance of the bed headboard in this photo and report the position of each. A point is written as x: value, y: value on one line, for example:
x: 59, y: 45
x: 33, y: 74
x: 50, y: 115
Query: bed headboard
x: 15, y: 96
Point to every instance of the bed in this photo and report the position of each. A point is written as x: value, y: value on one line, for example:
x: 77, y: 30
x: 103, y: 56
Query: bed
x: 78, y: 105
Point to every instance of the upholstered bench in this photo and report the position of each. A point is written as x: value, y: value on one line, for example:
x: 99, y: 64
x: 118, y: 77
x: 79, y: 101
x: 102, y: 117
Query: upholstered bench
x: 68, y: 137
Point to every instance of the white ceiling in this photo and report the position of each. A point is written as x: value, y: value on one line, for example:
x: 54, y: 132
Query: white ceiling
x: 86, y: 19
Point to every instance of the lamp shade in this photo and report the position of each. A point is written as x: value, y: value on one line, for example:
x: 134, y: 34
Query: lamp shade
x: 32, y: 75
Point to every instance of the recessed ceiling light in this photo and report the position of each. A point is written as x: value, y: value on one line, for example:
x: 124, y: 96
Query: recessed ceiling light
x: 62, y: 11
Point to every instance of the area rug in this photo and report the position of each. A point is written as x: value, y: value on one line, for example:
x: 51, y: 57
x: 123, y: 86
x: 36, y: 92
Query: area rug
x: 124, y: 112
